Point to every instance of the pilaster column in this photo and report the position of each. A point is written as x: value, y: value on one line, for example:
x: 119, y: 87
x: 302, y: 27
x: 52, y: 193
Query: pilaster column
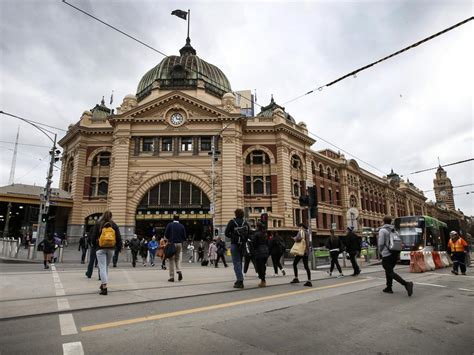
x: 285, y: 205
x: 75, y: 227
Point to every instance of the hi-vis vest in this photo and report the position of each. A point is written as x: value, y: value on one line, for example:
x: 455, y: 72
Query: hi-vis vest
x: 457, y: 246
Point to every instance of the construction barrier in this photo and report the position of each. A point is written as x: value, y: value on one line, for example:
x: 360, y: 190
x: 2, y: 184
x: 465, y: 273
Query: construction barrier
x: 444, y: 258
x: 437, y: 260
x: 430, y: 265
x: 417, y: 262
x: 449, y: 259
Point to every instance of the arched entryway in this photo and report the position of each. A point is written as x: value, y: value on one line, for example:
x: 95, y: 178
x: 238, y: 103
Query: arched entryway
x: 90, y: 221
x: 162, y: 201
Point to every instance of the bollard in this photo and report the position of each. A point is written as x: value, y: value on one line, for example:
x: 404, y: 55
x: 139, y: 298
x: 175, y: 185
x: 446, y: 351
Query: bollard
x: 195, y: 256
x: 127, y: 254
x: 1, y: 245
x: 9, y: 247
x: 31, y: 249
x: 60, y: 256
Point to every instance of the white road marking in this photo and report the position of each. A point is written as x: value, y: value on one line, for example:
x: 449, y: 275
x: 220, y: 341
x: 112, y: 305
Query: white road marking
x: 63, y: 304
x: 465, y: 289
x: 426, y: 284
x: 66, y: 322
x: 53, y: 268
x: 450, y: 275
x: 73, y: 348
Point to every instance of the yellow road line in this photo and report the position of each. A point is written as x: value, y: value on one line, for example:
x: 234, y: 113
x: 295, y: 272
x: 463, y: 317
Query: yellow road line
x: 209, y: 308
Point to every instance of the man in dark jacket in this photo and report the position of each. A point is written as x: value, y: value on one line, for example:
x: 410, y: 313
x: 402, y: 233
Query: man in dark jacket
x: 93, y: 250
x: 236, y: 246
x: 352, y: 243
x: 176, y: 234
x: 83, y: 245
x: 134, y: 248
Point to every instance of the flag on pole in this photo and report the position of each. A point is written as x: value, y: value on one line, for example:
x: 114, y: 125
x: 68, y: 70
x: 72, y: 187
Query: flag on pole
x: 112, y: 97
x: 180, y: 13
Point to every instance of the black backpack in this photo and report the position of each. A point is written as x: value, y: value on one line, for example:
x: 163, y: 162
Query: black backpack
x: 241, y: 232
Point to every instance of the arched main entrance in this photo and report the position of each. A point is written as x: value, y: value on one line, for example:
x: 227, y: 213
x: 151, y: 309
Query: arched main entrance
x: 161, y: 202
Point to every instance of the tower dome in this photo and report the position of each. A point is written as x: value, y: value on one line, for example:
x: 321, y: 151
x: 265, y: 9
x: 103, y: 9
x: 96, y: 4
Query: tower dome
x: 183, y: 72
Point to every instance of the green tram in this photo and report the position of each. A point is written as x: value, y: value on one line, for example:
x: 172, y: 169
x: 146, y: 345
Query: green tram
x: 421, y: 233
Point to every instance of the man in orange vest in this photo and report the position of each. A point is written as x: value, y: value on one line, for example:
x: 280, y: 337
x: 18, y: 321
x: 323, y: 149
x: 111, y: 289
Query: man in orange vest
x: 457, y: 248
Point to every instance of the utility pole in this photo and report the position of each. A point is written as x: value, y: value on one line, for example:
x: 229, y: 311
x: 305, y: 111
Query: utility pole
x: 7, y: 220
x: 45, y: 198
x: 11, y: 180
x: 213, y: 185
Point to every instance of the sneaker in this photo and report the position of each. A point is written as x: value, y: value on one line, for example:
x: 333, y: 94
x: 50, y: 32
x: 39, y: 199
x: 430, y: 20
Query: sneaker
x: 47, y: 267
x: 329, y: 273
x: 171, y: 279
x: 88, y: 276
x: 283, y: 272
x: 340, y: 276
x: 454, y: 272
x: 409, y: 287
x: 180, y: 275
x: 387, y: 290
x: 308, y: 284
x: 152, y: 264
x: 144, y: 265
x: 275, y: 275
x: 238, y: 284
x: 262, y: 284
x: 295, y: 281
x: 115, y: 265
x: 463, y: 273
x: 103, y: 291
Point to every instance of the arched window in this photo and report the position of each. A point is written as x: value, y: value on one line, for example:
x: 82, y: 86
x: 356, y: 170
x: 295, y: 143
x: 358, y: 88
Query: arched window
x: 321, y: 170
x: 313, y: 168
x: 336, y: 176
x: 329, y: 173
x: 67, y: 184
x: 101, y: 159
x: 296, y: 162
x: 257, y: 157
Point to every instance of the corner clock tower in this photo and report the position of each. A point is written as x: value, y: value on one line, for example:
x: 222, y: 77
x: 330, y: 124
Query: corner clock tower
x: 443, y: 189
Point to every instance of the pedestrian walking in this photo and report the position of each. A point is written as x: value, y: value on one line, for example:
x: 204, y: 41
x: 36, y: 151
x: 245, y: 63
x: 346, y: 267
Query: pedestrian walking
x: 152, y: 248
x: 83, y: 246
x: 353, y: 248
x: 261, y: 253
x: 221, y: 250
x: 190, y: 249
x: 161, y: 252
x: 200, y: 251
x: 117, y: 251
x: 134, y: 249
x: 237, y: 230
x: 107, y: 238
x: 335, y: 247
x: 390, y: 258
x: 93, y: 251
x: 144, y: 250
x: 277, y: 249
x: 212, y: 253
x: 176, y: 234
x: 47, y: 246
x: 57, y: 243
x: 457, y: 248
x: 302, y: 236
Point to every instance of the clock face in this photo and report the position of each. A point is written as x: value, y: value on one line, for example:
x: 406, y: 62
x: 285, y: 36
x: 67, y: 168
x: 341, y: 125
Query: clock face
x: 443, y: 192
x: 176, y: 119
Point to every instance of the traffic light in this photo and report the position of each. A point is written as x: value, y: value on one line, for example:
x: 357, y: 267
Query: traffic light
x: 216, y: 232
x: 312, y: 197
x: 264, y: 220
x: 44, y: 217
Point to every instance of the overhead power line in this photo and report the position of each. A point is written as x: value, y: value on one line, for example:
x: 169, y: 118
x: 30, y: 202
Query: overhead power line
x: 454, y: 187
x: 437, y: 167
x: 31, y: 145
x: 353, y: 73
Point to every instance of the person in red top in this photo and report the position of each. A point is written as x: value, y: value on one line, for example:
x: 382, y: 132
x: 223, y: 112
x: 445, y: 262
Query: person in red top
x: 457, y: 248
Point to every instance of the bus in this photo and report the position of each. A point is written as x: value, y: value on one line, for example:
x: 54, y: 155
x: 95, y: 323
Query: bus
x: 421, y: 233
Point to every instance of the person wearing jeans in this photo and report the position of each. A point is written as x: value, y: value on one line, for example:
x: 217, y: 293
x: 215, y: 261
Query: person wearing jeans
x: 236, y: 248
x: 390, y: 258
x: 105, y: 254
x: 175, y: 233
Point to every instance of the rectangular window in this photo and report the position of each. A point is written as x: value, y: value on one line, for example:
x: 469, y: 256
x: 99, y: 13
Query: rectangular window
x: 186, y: 144
x: 206, y: 143
x: 339, y: 222
x: 165, y: 193
x: 338, y: 198
x: 323, y: 194
x: 248, y: 185
x: 330, y: 196
x: 268, y: 185
x: 167, y: 144
x: 325, y: 221
x: 147, y: 144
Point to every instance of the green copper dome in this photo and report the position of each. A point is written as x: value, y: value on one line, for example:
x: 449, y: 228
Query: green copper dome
x: 183, y: 72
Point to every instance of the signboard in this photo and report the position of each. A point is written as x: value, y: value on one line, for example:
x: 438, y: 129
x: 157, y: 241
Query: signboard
x: 352, y: 214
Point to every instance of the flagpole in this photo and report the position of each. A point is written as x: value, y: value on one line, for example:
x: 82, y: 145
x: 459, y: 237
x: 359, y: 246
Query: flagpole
x: 189, y: 20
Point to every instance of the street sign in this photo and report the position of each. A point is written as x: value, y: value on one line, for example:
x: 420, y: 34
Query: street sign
x: 352, y: 214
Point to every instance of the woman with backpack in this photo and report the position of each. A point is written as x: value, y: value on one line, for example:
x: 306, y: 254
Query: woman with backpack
x: 302, y: 235
x: 277, y: 248
x: 334, y: 245
x: 107, y: 238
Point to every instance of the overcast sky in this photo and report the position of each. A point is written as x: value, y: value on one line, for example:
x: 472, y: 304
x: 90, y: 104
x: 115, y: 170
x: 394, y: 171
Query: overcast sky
x: 401, y: 114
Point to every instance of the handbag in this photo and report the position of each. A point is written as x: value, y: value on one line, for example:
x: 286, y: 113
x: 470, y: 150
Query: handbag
x: 170, y: 250
x: 299, y: 248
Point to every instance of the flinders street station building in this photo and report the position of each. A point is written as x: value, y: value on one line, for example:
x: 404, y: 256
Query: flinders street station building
x: 186, y: 143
